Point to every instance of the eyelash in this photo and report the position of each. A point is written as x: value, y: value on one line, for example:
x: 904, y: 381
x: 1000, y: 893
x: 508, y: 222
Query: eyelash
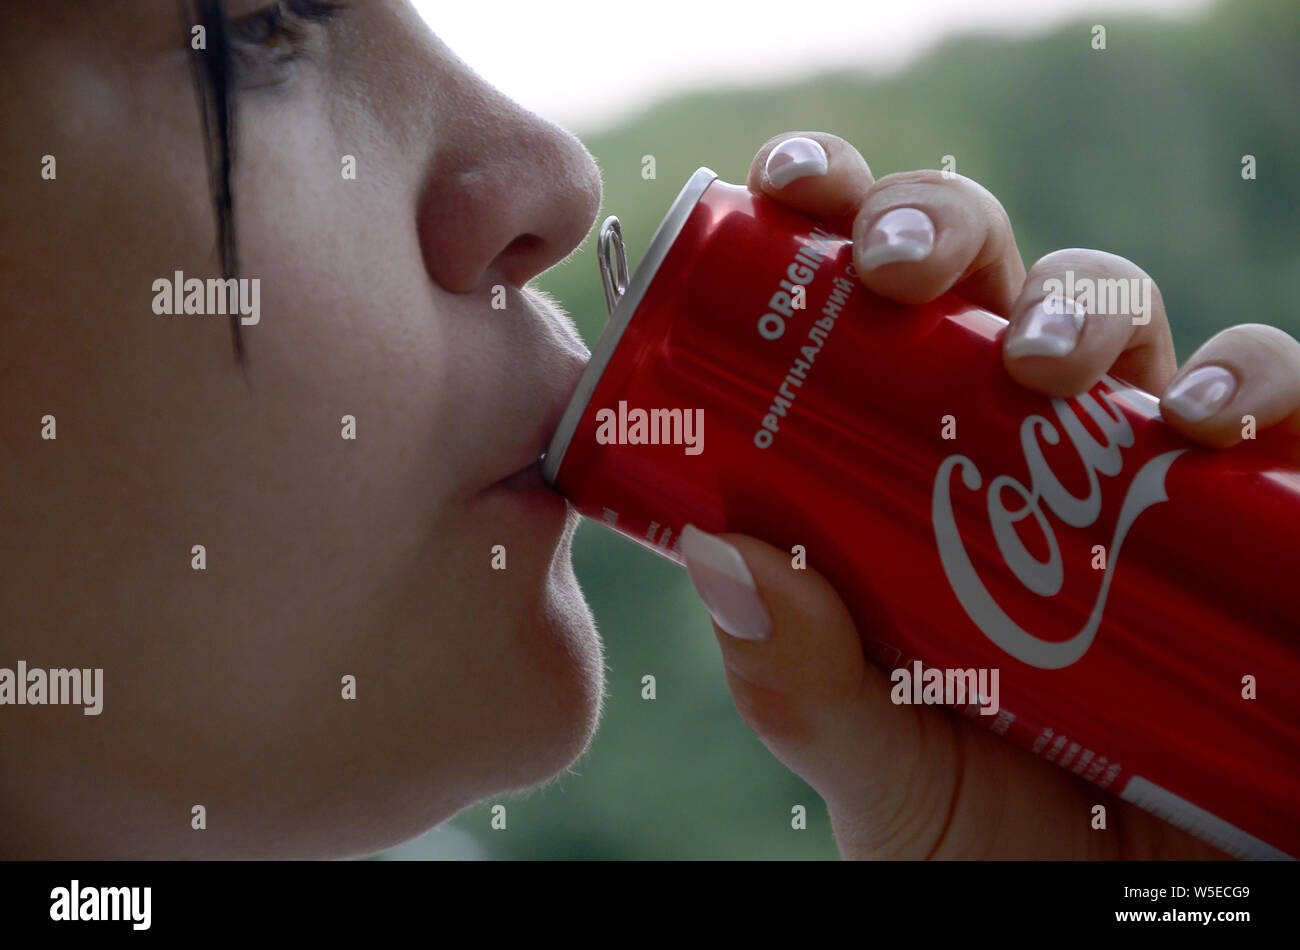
x: 281, y: 29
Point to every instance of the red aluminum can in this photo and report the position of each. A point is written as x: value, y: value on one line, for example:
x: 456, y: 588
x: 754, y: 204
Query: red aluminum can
x: 1133, y: 589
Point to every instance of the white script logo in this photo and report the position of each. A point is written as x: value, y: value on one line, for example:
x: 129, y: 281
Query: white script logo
x: 1045, y: 577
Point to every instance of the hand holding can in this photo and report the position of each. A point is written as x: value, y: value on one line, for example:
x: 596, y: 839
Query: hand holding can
x: 830, y: 445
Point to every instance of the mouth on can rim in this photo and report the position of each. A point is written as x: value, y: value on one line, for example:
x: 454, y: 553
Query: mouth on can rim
x: 623, y: 297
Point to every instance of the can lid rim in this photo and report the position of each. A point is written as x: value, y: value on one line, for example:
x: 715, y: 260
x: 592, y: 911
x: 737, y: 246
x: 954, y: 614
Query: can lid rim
x: 664, y: 238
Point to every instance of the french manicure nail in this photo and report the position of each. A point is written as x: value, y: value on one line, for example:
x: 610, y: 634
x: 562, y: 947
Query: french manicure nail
x: 1200, y: 394
x: 904, y: 234
x: 795, y: 158
x: 1051, y: 329
x: 725, y: 585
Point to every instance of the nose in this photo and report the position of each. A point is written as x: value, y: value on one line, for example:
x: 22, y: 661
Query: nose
x: 508, y: 195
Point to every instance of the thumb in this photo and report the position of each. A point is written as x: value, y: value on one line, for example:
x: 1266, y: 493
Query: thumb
x: 796, y: 670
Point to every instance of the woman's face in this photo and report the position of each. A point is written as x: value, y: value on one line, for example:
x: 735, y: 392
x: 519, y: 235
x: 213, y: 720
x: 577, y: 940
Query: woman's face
x: 326, y: 557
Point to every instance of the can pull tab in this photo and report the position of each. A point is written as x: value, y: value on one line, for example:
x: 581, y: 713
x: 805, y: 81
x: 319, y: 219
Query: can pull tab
x: 613, y: 275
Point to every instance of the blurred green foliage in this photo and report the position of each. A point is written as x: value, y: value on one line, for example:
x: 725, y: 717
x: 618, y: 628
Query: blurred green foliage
x: 1136, y: 149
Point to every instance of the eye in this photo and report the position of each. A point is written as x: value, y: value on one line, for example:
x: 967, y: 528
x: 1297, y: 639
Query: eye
x: 268, y: 41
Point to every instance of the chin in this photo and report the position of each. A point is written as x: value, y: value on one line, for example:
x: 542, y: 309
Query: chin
x: 567, y: 678
x: 538, y: 721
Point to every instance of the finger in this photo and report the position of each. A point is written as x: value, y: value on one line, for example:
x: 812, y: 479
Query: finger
x: 1081, y: 314
x: 1251, y: 370
x: 921, y: 234
x: 795, y: 667
x: 814, y: 173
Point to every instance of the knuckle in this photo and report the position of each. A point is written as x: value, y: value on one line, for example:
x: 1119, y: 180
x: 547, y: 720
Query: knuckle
x: 1257, y: 336
x: 920, y: 176
x: 1092, y: 265
x: 1088, y: 260
x: 905, y: 188
x: 1272, y: 332
x: 985, y: 199
x: 914, y: 182
x: 1054, y: 262
x: 1110, y: 263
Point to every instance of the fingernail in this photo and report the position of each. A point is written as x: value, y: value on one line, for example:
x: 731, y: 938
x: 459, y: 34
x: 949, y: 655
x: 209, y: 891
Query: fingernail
x: 795, y: 158
x: 1200, y: 394
x: 904, y: 234
x: 725, y: 585
x: 1051, y: 329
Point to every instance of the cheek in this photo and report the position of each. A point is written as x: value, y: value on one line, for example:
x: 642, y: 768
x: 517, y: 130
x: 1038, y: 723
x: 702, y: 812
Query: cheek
x: 498, y: 670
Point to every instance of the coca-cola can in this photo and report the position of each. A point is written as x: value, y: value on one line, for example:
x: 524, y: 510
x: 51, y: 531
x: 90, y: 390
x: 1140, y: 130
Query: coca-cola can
x: 1134, y: 590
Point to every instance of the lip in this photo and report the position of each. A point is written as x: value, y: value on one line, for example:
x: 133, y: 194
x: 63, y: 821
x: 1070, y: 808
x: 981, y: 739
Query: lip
x: 555, y: 399
x: 527, y: 500
x: 527, y: 478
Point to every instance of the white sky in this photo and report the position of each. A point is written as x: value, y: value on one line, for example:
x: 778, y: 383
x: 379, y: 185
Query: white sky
x: 598, y: 60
